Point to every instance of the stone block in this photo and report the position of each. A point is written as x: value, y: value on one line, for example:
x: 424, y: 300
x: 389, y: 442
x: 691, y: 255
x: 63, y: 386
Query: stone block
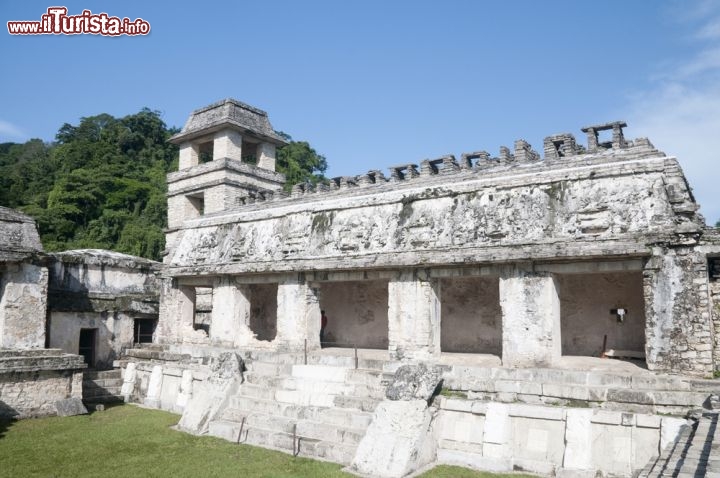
x: 539, y: 412
x: 397, y: 441
x: 648, y: 421
x: 461, y: 427
x: 412, y: 382
x: 70, y: 407
x: 578, y: 440
x: 497, y: 424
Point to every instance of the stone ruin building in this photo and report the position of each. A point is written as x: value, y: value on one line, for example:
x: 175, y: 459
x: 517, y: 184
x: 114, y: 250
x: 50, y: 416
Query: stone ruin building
x: 553, y: 314
x: 34, y: 380
x: 62, y: 313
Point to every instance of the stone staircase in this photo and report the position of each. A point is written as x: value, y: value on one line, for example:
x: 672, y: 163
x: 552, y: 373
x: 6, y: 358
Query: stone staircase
x: 695, y: 453
x: 102, y: 386
x: 317, y: 410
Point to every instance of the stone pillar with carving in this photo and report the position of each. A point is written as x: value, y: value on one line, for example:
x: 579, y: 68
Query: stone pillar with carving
x: 177, y: 309
x: 298, y: 314
x: 231, y: 313
x: 530, y: 319
x: 414, y: 316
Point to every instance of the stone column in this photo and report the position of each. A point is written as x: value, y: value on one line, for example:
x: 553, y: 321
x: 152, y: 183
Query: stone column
x: 231, y: 313
x: 177, y: 311
x: 189, y: 156
x: 227, y: 144
x: 414, y: 316
x: 266, y: 156
x: 23, y: 306
x: 531, y: 319
x: 298, y: 314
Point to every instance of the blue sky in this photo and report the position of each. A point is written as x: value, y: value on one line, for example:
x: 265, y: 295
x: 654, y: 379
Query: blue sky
x: 375, y: 83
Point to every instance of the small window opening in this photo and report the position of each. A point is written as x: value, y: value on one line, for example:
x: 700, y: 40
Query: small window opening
x: 144, y: 330
x: 205, y: 152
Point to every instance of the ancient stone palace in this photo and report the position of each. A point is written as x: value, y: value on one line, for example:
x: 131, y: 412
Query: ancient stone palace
x: 555, y: 313
x: 593, y: 248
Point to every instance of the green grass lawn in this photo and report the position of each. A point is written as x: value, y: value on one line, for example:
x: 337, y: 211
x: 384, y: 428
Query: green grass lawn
x: 130, y: 441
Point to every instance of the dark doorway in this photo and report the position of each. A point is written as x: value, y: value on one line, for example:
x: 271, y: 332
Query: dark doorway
x: 87, y: 345
x: 144, y: 330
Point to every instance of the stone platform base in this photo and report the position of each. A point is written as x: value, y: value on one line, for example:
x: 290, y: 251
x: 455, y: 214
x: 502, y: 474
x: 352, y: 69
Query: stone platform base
x: 40, y: 382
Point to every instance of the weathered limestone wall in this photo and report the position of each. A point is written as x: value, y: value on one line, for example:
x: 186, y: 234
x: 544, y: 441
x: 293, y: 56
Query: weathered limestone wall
x: 114, y: 333
x: 23, y: 305
x: 357, y: 313
x: 534, y: 210
x: 679, y: 327
x: 714, y: 287
x: 531, y: 319
x: 550, y: 440
x: 471, y: 315
x: 414, y: 315
x: 585, y: 303
x: 103, y: 290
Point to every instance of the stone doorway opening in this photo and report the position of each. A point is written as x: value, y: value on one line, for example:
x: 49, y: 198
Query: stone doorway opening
x: 202, y: 313
x: 357, y: 313
x: 263, y: 310
x: 602, y: 313
x: 87, y: 344
x: 470, y: 315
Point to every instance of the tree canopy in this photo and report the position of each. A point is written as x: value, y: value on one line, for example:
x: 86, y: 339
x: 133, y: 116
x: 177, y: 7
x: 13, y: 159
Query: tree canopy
x: 102, y: 183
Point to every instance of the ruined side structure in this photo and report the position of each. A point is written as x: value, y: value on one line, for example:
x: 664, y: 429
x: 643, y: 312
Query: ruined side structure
x: 33, y: 380
x: 101, y: 303
x: 501, y: 280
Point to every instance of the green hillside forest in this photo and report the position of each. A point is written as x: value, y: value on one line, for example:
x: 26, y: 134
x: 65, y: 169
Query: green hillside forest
x: 101, y: 184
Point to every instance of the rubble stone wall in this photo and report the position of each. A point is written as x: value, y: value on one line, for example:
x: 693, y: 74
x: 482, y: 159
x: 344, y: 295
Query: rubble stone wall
x: 33, y: 394
x: 679, y: 331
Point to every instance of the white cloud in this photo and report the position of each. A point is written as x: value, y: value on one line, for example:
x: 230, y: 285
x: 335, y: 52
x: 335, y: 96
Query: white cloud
x: 681, y: 116
x: 710, y: 31
x: 9, y: 131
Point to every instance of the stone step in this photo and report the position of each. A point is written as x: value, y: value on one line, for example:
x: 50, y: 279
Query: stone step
x: 341, y: 417
x: 103, y: 382
x: 102, y: 374
x: 365, y: 404
x: 156, y: 354
x: 303, y: 446
x: 256, y: 391
x: 372, y: 382
x: 269, y: 368
x: 106, y: 398
x: 696, y: 452
x: 301, y: 427
x: 461, y: 377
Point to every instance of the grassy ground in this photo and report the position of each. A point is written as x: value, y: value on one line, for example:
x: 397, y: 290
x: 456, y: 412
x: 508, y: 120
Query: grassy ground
x: 130, y: 441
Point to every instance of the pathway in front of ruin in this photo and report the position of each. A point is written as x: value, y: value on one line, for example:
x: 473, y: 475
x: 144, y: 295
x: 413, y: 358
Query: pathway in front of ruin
x: 695, y: 453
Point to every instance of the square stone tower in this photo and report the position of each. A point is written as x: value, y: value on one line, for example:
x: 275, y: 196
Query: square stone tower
x: 227, y: 153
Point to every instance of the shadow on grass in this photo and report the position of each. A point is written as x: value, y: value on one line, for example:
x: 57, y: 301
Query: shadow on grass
x: 6, y: 417
x: 92, y: 406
